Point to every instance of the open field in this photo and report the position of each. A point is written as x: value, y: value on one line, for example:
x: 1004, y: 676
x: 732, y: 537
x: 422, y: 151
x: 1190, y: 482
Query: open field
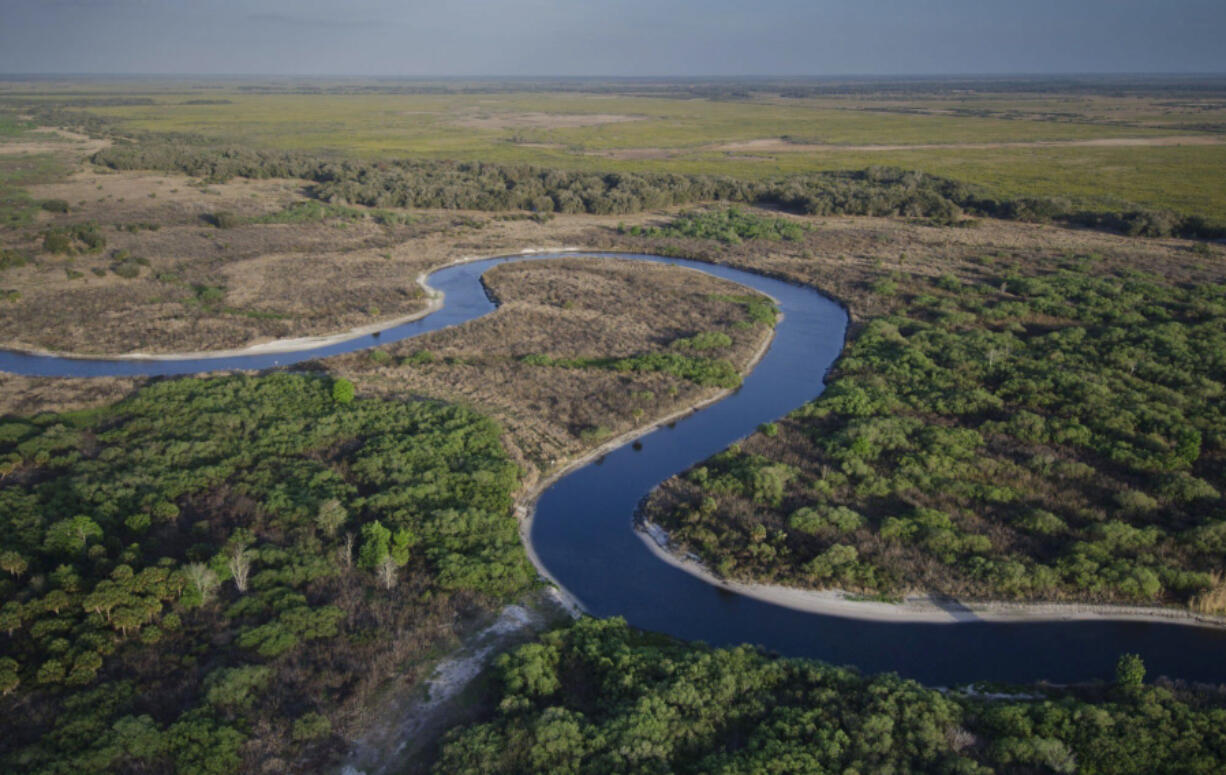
x: 1143, y: 147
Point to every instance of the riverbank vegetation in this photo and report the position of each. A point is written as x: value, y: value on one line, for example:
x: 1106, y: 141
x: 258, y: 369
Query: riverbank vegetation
x: 600, y: 697
x: 1017, y: 432
x: 212, y: 575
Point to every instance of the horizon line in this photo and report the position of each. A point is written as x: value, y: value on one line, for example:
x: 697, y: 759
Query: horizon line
x: 655, y: 77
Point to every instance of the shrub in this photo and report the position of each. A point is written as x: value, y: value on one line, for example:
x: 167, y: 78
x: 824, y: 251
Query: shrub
x: 342, y: 390
x: 11, y: 259
x: 55, y: 205
x: 707, y: 340
x: 1129, y: 671
x: 311, y: 726
x: 419, y: 358
x: 209, y: 294
x: 224, y: 219
x: 127, y: 268
x: 57, y: 242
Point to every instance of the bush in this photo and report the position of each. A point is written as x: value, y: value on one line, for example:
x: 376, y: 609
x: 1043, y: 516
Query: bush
x: 128, y: 268
x: 342, y: 390
x: 311, y: 726
x: 55, y: 205
x: 224, y: 219
x: 1129, y: 672
x: 707, y: 340
x: 11, y: 259
x: 57, y: 242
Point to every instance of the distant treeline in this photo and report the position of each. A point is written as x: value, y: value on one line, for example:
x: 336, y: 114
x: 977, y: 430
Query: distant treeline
x: 482, y: 186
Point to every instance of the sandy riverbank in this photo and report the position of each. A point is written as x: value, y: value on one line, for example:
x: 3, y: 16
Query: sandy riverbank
x: 918, y: 609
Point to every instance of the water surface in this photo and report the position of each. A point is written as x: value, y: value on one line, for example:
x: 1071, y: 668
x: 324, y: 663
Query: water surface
x: 583, y: 533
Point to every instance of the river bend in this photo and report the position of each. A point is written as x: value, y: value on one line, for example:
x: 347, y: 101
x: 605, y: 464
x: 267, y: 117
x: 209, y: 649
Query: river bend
x: 583, y: 537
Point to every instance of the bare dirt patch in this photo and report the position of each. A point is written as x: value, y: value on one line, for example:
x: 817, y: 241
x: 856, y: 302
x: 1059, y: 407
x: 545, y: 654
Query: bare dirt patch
x: 52, y: 140
x: 110, y: 197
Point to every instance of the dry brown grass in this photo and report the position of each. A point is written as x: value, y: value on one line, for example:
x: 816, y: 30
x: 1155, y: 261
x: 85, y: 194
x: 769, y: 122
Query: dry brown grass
x: 278, y: 280
x: 566, y: 308
x: 1212, y: 600
x: 23, y: 396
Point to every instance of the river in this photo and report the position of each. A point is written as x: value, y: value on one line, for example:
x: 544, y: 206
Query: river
x: 583, y: 536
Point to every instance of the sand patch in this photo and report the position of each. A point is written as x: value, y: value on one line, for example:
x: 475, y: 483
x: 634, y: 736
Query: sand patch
x: 50, y: 140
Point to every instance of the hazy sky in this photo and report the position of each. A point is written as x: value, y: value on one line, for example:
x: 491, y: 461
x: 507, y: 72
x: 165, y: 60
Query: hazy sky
x: 611, y: 37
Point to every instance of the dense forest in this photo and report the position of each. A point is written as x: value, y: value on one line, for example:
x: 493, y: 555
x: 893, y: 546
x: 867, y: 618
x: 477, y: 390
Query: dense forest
x: 484, y: 186
x: 600, y: 697
x: 211, y: 575
x: 1001, y: 435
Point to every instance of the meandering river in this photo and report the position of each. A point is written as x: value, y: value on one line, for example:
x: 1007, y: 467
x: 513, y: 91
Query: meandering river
x: 582, y: 531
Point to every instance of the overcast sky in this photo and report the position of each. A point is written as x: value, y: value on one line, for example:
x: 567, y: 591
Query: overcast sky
x: 611, y: 37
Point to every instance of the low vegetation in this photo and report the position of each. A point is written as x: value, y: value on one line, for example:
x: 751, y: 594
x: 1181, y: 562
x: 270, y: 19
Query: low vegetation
x: 599, y: 697
x: 74, y: 239
x: 212, y: 575
x: 701, y: 370
x: 730, y: 226
x: 1011, y: 435
x: 413, y: 183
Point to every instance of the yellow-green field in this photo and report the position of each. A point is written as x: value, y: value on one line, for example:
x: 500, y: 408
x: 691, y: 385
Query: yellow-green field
x: 1168, y: 153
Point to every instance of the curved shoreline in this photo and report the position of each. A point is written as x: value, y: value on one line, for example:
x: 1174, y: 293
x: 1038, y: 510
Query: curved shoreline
x: 298, y: 343
x: 833, y: 603
x: 925, y: 609
x: 525, y: 503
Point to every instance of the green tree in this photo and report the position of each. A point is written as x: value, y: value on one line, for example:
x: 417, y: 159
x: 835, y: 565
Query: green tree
x: 342, y: 390
x: 12, y: 562
x: 376, y: 545
x: 70, y: 536
x: 1129, y: 672
x: 202, y: 746
x: 331, y: 516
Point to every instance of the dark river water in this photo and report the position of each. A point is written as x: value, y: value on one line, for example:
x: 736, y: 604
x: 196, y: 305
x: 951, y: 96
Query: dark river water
x: 583, y: 533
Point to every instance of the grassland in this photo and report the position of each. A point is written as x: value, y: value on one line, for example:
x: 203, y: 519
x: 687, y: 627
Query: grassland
x: 610, y: 131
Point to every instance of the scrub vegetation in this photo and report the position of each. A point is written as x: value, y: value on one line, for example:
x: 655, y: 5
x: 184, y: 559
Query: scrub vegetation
x: 1012, y: 434
x: 1140, y: 140
x: 730, y: 226
x: 600, y: 697
x: 414, y: 183
x: 580, y: 350
x: 213, y: 575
